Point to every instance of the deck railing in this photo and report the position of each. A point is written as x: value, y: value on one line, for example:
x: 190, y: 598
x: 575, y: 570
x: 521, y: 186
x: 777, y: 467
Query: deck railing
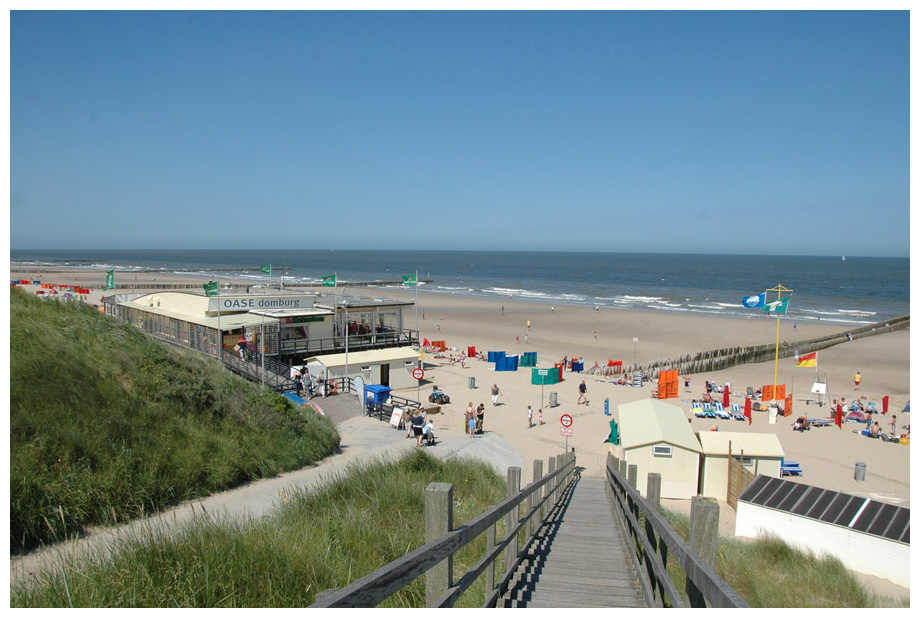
x: 654, y: 541
x: 539, y: 501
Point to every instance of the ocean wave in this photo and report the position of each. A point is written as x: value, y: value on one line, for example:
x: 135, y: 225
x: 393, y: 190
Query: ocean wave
x: 504, y: 290
x: 646, y: 299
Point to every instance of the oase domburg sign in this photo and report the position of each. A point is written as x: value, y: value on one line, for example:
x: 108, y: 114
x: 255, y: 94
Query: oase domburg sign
x: 248, y: 303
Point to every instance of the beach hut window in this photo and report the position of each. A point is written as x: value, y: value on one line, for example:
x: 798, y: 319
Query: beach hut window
x: 662, y: 450
x: 409, y: 363
x: 366, y: 368
x: 745, y: 461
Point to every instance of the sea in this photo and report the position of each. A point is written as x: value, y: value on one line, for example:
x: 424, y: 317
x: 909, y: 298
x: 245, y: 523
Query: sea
x: 833, y: 289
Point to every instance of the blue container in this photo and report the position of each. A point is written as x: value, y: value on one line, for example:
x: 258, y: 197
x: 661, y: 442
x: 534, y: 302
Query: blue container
x: 376, y: 393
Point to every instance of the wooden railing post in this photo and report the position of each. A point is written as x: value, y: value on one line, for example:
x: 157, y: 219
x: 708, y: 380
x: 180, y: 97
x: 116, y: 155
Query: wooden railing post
x: 513, y: 517
x: 490, y: 568
x: 439, y: 520
x: 653, y: 490
x: 632, y: 474
x: 622, y: 468
x: 550, y: 489
x: 704, y: 540
x: 534, y: 497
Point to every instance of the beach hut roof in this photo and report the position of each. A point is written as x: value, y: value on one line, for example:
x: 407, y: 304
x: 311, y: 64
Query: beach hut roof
x: 753, y: 444
x: 368, y: 357
x: 651, y: 421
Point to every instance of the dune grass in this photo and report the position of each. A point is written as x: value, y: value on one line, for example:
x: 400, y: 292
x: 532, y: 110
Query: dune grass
x: 107, y: 424
x: 767, y: 572
x: 321, y: 538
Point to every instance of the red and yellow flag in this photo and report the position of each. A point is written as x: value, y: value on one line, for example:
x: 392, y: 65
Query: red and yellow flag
x: 807, y: 360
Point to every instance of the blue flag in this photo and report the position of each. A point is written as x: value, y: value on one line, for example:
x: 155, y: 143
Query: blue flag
x: 758, y: 300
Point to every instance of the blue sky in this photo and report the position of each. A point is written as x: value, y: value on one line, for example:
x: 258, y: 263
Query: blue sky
x: 709, y: 132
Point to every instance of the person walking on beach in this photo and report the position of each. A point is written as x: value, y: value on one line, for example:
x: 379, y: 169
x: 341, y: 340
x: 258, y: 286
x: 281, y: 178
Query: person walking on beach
x: 583, y: 392
x: 495, y: 394
x: 686, y: 384
x: 857, y: 379
x: 467, y: 416
x: 529, y: 417
x: 540, y: 416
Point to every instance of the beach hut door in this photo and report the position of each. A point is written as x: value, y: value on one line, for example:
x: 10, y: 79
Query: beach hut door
x: 385, y: 374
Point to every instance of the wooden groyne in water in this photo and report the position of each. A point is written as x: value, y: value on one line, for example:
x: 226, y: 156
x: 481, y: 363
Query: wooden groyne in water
x: 723, y: 358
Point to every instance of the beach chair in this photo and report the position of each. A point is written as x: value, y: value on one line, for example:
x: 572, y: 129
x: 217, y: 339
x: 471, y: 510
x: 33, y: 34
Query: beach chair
x: 698, y: 412
x: 737, y: 412
x: 720, y: 411
x: 820, y: 422
x: 707, y: 410
x: 750, y: 392
x: 789, y: 468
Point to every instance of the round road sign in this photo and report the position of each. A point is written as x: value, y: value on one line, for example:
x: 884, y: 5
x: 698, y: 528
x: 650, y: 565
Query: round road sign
x: 418, y: 373
x: 566, y: 420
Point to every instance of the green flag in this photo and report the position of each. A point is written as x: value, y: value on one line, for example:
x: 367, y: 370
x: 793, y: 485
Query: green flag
x: 410, y: 280
x: 109, y: 280
x: 329, y: 281
x: 210, y: 288
x: 776, y: 306
x: 266, y: 269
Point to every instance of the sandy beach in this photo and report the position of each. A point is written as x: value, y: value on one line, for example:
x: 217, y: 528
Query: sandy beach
x: 827, y: 454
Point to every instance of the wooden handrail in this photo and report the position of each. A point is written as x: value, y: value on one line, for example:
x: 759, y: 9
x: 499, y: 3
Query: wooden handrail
x: 374, y: 588
x: 651, y: 547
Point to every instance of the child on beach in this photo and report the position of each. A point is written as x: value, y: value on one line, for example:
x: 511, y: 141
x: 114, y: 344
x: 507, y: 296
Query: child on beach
x: 540, y: 416
x: 529, y: 417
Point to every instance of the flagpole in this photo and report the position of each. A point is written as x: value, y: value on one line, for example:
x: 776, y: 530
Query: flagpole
x: 779, y: 289
x: 416, y: 302
x: 220, y: 333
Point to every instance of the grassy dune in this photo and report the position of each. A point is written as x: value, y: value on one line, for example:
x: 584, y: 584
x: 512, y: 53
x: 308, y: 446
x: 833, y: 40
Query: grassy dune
x: 107, y: 424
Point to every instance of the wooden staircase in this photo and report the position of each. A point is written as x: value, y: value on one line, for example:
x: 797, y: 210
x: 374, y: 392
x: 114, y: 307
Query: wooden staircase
x: 580, y: 559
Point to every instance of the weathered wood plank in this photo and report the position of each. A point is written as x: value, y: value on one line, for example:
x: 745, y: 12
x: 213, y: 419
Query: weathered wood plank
x: 582, y: 559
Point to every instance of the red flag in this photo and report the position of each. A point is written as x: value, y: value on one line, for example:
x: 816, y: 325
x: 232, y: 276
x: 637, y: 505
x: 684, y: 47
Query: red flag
x: 885, y: 404
x: 747, y: 409
x: 725, y: 402
x: 839, y: 419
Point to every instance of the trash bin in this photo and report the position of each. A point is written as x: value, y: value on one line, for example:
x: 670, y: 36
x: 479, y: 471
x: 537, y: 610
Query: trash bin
x: 553, y: 399
x: 860, y: 473
x: 472, y: 381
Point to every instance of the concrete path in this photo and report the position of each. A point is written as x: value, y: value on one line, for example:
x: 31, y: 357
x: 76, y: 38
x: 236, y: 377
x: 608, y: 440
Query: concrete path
x: 363, y: 439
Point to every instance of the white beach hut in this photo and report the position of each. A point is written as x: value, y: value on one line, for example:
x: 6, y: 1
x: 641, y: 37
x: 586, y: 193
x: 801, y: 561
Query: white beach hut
x: 656, y: 437
x: 762, y: 454
x: 388, y: 366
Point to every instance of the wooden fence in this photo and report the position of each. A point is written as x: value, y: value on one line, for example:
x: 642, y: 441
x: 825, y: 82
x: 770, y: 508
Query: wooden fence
x: 722, y: 358
x: 739, y: 478
x: 539, y: 501
x: 654, y: 542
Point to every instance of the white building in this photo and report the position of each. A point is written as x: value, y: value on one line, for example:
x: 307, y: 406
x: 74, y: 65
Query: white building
x: 866, y: 535
x: 762, y: 454
x: 656, y: 437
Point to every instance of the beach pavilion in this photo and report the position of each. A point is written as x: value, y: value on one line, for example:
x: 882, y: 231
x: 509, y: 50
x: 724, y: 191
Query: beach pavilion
x: 656, y: 437
x: 292, y: 324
